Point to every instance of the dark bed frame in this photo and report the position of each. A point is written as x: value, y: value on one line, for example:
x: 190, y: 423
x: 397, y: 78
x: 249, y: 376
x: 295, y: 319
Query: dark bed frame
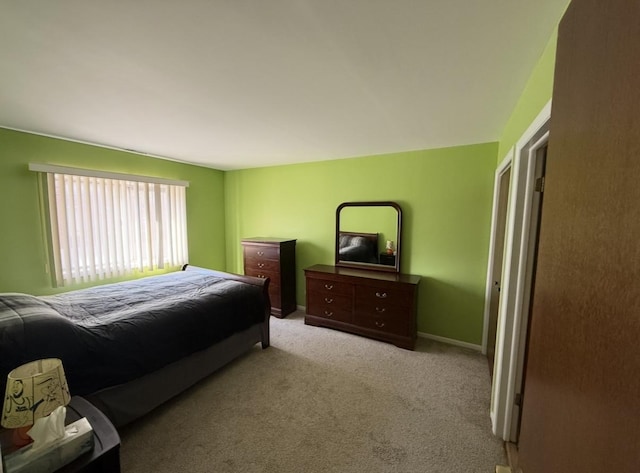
x: 371, y: 237
x: 126, y: 402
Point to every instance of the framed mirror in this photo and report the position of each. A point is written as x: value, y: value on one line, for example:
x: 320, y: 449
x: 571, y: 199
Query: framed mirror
x: 368, y: 235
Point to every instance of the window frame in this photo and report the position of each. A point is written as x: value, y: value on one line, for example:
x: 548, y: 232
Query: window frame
x: 89, y: 216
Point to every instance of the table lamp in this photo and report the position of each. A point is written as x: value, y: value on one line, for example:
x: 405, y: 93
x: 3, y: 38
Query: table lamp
x: 34, y: 390
x: 389, y: 247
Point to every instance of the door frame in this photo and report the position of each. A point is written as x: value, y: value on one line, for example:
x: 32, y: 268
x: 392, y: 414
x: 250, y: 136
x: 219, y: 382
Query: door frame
x: 512, y: 314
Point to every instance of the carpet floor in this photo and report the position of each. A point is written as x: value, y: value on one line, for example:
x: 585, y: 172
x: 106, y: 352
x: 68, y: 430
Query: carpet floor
x: 320, y: 400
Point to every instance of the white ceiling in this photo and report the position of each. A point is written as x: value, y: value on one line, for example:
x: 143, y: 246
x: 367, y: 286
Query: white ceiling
x: 246, y: 83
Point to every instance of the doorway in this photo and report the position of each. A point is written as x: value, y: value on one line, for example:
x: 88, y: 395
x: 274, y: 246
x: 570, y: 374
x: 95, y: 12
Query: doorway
x: 518, y: 266
x: 503, y: 183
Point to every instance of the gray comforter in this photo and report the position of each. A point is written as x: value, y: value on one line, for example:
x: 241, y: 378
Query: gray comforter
x: 111, y: 334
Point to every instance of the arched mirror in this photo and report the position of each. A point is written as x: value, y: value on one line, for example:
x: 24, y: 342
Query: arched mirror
x: 368, y: 235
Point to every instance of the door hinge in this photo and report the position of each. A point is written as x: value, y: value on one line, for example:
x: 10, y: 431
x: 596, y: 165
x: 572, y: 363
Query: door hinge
x: 540, y: 184
x: 518, y: 400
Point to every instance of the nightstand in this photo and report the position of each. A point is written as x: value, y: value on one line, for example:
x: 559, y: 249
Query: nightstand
x: 387, y: 259
x: 105, y: 455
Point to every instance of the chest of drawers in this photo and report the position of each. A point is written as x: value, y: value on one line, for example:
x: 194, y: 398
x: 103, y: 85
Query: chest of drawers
x: 273, y: 258
x: 374, y: 304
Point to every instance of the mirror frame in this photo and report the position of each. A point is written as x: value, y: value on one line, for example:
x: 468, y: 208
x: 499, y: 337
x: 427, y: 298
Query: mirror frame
x: 370, y: 266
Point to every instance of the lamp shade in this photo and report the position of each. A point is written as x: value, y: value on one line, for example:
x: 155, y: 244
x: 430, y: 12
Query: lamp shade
x: 34, y: 390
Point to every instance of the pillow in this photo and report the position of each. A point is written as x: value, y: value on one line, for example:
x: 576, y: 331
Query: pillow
x: 16, y: 306
x: 359, y: 241
x: 345, y: 240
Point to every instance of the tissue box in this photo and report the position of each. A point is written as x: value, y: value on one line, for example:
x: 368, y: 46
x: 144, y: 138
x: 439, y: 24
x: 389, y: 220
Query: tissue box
x: 77, y: 440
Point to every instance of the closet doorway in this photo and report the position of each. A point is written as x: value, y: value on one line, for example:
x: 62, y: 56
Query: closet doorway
x: 502, y: 185
x: 518, y: 269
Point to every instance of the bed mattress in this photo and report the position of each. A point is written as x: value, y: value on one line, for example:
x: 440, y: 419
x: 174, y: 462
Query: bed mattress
x: 111, y: 334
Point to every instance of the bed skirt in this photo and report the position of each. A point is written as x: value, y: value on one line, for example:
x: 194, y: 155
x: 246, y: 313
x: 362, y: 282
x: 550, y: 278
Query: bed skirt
x: 126, y: 402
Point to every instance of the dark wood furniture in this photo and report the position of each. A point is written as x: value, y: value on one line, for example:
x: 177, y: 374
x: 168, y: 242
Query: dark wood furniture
x: 375, y: 304
x: 386, y: 258
x: 580, y: 403
x: 104, y: 457
x: 273, y: 258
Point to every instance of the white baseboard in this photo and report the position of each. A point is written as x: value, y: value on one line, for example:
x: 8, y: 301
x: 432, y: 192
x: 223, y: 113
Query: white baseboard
x: 302, y: 308
x: 450, y: 341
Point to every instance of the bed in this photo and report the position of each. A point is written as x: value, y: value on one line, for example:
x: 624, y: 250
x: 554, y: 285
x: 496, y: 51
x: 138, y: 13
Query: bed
x: 358, y: 247
x: 128, y: 347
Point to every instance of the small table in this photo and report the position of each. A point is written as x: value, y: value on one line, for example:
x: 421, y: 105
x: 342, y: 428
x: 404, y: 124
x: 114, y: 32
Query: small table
x: 105, y: 455
x: 386, y: 258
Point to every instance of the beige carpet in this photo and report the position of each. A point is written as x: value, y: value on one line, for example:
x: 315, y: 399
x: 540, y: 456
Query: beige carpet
x: 320, y: 400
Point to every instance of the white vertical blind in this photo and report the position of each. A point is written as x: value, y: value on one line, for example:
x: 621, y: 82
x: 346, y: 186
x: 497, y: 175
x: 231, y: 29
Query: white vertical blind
x: 101, y: 227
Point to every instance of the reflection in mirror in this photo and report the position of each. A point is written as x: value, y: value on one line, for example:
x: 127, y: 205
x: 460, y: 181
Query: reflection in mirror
x: 368, y: 234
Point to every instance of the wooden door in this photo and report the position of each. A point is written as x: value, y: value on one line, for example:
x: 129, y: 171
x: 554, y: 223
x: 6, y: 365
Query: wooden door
x: 581, y: 410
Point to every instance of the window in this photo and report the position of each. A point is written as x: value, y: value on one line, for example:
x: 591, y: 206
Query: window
x: 102, y: 227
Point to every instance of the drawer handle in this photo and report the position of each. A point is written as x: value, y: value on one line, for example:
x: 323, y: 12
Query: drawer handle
x: 379, y: 324
x: 381, y: 295
x: 380, y: 310
x: 327, y: 313
x: 327, y: 300
x: 328, y: 287
x: 260, y: 265
x: 262, y: 276
x: 260, y: 253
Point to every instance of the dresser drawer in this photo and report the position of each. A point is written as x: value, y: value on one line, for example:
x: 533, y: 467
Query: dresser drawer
x: 381, y: 309
x: 390, y: 296
x: 387, y: 310
x: 336, y: 307
x: 261, y: 252
x: 323, y: 286
x: 261, y: 273
x: 275, y: 293
x: 385, y: 322
x: 339, y: 302
x: 262, y: 264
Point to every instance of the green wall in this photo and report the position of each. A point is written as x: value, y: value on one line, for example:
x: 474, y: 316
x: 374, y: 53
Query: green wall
x: 535, y: 96
x: 22, y: 244
x: 445, y: 195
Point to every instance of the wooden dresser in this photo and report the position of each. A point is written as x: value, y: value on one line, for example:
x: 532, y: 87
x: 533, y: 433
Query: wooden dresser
x: 273, y: 258
x: 375, y: 304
